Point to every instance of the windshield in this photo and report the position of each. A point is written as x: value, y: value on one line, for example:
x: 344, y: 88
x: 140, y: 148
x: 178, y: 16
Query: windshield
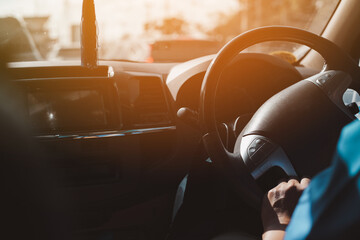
x: 149, y: 30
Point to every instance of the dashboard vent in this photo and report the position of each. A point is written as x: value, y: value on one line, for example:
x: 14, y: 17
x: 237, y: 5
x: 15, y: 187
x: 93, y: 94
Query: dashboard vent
x: 151, y: 108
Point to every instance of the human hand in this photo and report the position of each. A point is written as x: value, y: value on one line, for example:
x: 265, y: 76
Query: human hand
x: 279, y: 204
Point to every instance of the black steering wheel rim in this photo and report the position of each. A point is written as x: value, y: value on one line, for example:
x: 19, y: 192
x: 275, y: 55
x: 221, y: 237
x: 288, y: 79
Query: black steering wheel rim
x: 334, y: 56
x: 335, y: 59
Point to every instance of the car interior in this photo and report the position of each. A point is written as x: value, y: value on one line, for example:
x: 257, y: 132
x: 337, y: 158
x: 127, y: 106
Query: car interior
x: 114, y: 149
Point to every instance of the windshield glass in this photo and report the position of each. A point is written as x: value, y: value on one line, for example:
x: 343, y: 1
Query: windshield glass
x: 149, y: 30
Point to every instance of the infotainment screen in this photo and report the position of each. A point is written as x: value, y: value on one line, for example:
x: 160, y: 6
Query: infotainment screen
x: 67, y: 110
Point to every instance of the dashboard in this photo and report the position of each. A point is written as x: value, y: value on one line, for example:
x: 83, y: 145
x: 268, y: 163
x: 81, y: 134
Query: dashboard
x: 112, y: 134
x: 97, y: 101
x: 100, y: 126
x: 121, y: 98
x: 66, y: 103
x: 123, y: 95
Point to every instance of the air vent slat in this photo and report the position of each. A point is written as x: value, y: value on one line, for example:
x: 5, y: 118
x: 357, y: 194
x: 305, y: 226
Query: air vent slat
x: 151, y: 107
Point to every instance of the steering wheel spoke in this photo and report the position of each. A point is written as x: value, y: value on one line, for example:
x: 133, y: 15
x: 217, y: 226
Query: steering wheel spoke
x: 260, y: 154
x: 334, y: 84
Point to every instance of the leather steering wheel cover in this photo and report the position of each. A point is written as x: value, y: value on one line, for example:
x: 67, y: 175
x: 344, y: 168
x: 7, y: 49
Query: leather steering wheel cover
x: 336, y: 59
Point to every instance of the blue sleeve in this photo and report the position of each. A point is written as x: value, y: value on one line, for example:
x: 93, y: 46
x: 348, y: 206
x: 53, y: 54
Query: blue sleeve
x: 330, y: 207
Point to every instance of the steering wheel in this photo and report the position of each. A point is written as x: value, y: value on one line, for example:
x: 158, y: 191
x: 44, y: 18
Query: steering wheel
x: 293, y: 129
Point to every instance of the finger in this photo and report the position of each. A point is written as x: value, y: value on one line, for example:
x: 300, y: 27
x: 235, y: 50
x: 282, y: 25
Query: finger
x: 305, y: 182
x: 269, y: 197
x: 293, y: 183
